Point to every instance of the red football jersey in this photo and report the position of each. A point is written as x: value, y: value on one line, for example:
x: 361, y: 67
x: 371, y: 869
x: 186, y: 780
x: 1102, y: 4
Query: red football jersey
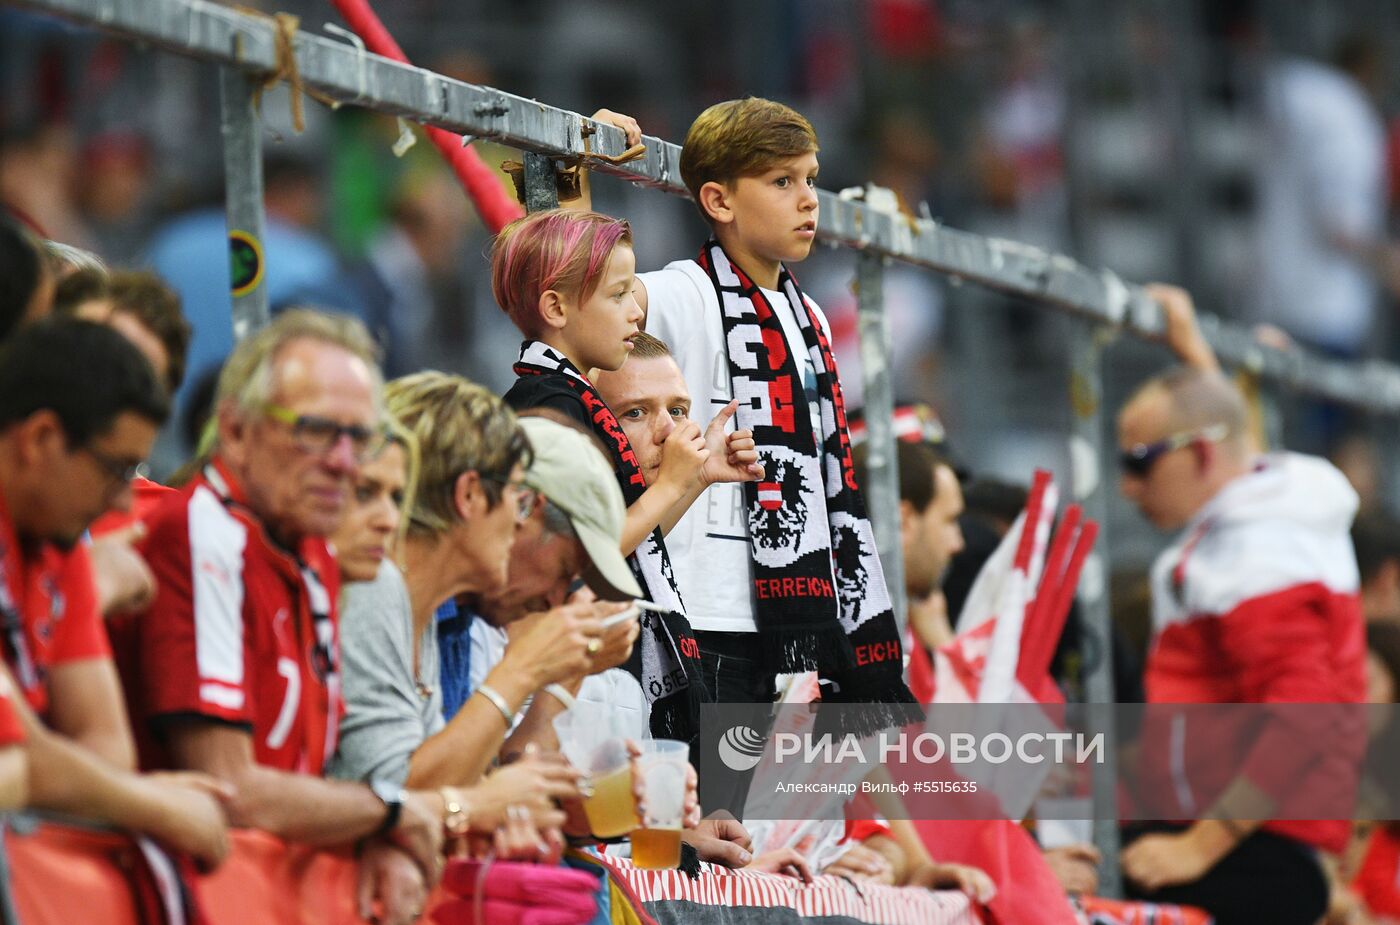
x: 48, y: 607
x: 241, y: 630
x: 11, y: 729
x: 146, y: 496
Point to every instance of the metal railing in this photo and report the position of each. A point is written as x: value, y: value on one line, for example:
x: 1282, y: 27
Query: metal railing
x: 247, y: 45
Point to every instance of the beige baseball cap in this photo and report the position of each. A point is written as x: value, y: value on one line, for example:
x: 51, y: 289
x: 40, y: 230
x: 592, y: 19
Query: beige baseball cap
x: 570, y: 470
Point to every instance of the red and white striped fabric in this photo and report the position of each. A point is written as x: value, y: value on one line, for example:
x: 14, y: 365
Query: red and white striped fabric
x: 744, y: 896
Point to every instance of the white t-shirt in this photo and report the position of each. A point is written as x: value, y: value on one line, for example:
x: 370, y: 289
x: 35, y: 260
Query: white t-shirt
x: 614, y: 687
x: 709, y: 546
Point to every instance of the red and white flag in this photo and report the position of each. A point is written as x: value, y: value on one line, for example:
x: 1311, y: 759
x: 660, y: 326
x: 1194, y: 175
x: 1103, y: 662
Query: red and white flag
x: 1009, y: 629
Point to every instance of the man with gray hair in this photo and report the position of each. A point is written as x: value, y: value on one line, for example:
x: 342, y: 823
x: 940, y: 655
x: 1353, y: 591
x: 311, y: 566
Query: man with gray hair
x: 238, y: 672
x: 1256, y: 602
x: 570, y: 540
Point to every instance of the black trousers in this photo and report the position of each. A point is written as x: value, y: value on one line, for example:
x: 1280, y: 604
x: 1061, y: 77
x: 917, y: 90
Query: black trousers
x: 1268, y: 878
x: 731, y: 667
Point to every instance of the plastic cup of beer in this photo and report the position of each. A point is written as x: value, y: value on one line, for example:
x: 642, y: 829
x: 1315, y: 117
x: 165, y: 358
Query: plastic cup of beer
x: 611, y: 808
x: 663, y: 767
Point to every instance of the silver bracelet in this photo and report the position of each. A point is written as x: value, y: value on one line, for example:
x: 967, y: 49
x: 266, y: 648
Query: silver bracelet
x: 561, y: 694
x: 500, y: 702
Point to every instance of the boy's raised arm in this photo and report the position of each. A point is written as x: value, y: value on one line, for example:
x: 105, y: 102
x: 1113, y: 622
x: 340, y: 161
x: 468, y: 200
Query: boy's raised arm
x: 583, y: 202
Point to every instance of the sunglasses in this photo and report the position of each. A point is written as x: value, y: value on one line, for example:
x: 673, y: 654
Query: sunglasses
x: 318, y: 436
x: 1139, y: 460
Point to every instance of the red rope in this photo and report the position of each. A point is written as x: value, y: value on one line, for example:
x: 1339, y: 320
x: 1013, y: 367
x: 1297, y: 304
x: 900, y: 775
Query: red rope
x: 495, y: 205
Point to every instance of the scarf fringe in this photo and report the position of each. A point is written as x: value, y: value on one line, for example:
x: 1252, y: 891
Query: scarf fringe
x: 892, y: 707
x: 690, y: 861
x: 819, y: 648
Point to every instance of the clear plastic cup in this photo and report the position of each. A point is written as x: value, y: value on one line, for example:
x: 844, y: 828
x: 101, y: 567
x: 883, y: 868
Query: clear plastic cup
x: 611, y: 809
x: 593, y: 736
x: 663, y: 767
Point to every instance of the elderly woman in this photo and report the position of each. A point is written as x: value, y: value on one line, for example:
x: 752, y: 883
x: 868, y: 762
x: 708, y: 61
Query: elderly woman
x: 390, y: 672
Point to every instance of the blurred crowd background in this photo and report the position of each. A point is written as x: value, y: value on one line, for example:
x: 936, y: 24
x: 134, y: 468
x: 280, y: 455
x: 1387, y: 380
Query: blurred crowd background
x: 1165, y: 139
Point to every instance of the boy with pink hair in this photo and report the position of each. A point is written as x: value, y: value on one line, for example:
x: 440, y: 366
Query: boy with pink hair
x: 566, y: 278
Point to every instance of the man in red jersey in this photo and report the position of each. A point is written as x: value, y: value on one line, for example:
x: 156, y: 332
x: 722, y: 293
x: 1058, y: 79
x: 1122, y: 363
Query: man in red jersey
x: 238, y: 672
x: 68, y: 446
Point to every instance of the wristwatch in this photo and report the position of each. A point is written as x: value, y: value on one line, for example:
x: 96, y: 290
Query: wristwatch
x: 393, y: 797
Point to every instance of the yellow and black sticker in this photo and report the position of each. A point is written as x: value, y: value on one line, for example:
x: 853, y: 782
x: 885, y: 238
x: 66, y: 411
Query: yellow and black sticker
x: 245, y: 262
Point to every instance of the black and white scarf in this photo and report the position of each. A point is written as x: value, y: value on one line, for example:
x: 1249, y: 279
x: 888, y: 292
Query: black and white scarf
x: 666, y: 659
x: 820, y: 599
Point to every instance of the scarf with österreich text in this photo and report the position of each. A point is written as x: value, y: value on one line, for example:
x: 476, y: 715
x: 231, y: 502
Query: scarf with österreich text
x: 820, y: 599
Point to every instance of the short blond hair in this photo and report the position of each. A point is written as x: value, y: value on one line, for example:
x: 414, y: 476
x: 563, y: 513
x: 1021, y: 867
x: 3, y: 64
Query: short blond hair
x: 1197, y: 399
x: 459, y: 427
x: 648, y: 347
x: 741, y: 138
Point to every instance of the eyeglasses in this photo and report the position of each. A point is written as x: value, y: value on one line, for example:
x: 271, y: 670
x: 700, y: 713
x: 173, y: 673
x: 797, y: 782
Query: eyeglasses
x: 526, y: 497
x: 119, y: 471
x: 318, y: 435
x: 1139, y: 460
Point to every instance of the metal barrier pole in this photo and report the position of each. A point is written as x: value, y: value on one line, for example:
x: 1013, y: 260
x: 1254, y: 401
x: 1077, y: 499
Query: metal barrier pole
x: 1090, y: 490
x: 540, y: 190
x: 243, y: 190
x: 882, y: 479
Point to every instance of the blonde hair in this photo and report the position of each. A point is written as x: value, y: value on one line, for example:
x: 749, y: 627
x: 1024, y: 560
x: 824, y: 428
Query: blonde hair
x: 741, y: 138
x: 398, y: 434
x: 648, y: 347
x: 1198, y: 398
x: 459, y: 427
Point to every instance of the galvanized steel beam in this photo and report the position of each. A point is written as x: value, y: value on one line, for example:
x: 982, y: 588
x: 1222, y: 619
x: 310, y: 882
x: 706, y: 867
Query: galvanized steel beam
x: 341, y: 71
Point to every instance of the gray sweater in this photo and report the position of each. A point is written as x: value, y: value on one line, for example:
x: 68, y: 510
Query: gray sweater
x: 387, y: 715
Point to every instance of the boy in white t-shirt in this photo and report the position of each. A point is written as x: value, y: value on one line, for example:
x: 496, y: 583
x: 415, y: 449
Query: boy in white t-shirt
x: 782, y: 575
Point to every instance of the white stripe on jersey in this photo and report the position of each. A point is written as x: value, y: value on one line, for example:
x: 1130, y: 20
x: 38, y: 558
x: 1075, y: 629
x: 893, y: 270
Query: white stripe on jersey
x: 221, y: 695
x: 217, y: 541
